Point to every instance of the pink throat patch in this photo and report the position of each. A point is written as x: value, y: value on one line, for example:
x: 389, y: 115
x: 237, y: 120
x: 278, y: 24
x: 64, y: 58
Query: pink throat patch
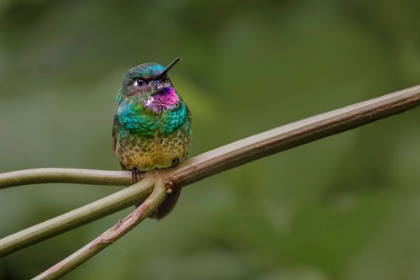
x: 165, y: 99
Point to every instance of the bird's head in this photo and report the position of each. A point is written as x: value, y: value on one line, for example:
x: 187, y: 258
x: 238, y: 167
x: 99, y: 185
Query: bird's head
x: 148, y: 84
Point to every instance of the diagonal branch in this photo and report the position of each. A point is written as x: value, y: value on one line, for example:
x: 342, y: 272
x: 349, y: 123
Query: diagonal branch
x: 207, y: 164
x: 78, y: 217
x: 109, y: 236
x: 293, y: 135
x: 239, y: 152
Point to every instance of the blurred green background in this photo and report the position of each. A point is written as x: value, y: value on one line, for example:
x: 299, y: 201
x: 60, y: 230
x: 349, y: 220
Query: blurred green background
x: 345, y: 207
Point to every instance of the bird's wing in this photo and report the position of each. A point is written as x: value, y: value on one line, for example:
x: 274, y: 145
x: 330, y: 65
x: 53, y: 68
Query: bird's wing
x: 115, y: 127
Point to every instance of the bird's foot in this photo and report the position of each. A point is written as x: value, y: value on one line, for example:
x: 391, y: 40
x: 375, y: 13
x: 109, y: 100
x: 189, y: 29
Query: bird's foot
x: 175, y: 161
x: 134, y: 173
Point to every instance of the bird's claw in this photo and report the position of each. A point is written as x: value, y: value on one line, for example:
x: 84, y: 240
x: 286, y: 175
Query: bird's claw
x: 134, y: 173
x: 175, y: 162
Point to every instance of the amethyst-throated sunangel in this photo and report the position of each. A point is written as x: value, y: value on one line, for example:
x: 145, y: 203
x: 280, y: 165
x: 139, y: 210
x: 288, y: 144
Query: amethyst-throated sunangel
x: 152, y: 125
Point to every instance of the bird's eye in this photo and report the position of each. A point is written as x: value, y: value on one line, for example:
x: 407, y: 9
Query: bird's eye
x: 139, y: 83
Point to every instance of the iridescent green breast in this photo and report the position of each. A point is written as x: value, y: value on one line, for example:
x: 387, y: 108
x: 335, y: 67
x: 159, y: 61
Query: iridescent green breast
x: 143, y: 122
x: 146, y: 140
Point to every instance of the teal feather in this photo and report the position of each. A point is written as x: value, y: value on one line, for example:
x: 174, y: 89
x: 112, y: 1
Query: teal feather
x: 136, y: 119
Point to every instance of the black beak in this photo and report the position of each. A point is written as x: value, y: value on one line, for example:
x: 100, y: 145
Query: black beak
x: 166, y: 70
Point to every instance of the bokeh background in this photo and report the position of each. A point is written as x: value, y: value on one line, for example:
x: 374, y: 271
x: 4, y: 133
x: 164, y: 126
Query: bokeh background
x: 345, y: 207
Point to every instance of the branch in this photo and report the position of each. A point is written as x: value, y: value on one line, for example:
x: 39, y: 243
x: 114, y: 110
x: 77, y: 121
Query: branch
x: 293, y: 135
x: 108, y: 237
x: 78, y: 217
x: 64, y: 175
x: 204, y: 165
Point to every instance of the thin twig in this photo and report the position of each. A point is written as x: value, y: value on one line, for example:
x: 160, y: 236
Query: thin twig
x: 226, y: 157
x: 108, y: 237
x: 64, y: 175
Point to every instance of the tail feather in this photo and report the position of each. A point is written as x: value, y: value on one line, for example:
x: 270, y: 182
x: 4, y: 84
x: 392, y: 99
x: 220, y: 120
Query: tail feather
x: 166, y: 206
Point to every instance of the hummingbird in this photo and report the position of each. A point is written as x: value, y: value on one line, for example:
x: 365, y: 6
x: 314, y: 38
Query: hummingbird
x: 152, y: 125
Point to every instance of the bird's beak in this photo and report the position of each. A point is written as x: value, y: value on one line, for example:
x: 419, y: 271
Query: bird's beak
x: 166, y: 70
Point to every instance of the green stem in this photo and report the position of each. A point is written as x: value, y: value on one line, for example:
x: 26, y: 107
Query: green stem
x: 64, y: 175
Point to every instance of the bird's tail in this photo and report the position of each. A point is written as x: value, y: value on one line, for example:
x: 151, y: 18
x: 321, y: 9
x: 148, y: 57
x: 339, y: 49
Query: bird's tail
x: 166, y: 206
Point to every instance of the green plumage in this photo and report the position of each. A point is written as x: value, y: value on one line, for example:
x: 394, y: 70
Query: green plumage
x: 146, y: 140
